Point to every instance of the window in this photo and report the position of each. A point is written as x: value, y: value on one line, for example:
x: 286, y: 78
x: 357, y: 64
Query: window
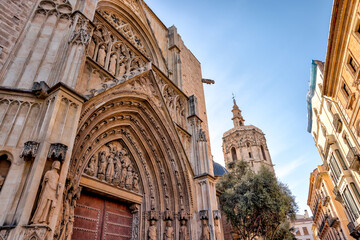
x: 352, y: 64
x: 350, y: 204
x: 233, y: 154
x: 250, y: 155
x: 345, y: 90
x: 355, y: 190
x: 305, y: 231
x: 335, y: 169
x: 263, y: 152
x: 341, y: 159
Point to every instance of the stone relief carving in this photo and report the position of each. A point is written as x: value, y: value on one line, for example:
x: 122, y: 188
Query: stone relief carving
x: 82, y: 32
x: 174, y: 100
x: 114, y: 166
x: 125, y: 28
x: 49, y: 194
x: 116, y: 60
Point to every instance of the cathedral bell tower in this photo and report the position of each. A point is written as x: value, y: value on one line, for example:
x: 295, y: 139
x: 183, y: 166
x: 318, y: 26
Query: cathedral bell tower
x: 237, y: 117
x: 245, y: 142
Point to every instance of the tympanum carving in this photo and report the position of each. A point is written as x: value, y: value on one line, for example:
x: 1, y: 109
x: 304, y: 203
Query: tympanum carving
x: 112, y: 163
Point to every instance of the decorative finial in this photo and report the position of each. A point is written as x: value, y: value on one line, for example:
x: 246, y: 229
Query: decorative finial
x: 234, y: 98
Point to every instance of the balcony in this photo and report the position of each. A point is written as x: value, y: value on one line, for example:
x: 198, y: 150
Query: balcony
x: 337, y: 195
x: 333, y: 222
x: 354, y: 159
x: 316, y: 208
x: 322, y: 226
x: 353, y: 232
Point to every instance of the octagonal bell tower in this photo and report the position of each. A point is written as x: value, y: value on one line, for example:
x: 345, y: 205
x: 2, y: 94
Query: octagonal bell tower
x: 245, y: 142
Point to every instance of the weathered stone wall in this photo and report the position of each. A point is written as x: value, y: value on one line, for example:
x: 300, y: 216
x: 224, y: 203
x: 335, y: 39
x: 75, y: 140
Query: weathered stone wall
x: 192, y: 85
x: 13, y: 17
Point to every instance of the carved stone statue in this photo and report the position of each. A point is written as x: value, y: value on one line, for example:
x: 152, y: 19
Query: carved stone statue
x: 101, y: 56
x: 217, y: 229
x: 152, y: 231
x: 91, y: 48
x: 49, y: 194
x: 90, y: 170
x: 169, y: 231
x: 123, y: 175
x: 125, y: 158
x: 117, y: 175
x: 136, y: 183
x: 2, y: 179
x: 183, y: 231
x: 102, y: 165
x: 205, y: 232
x: 110, y: 168
x: 129, y: 178
x: 112, y: 65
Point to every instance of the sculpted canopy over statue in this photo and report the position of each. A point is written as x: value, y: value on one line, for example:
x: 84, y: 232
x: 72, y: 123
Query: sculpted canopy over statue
x: 48, y: 196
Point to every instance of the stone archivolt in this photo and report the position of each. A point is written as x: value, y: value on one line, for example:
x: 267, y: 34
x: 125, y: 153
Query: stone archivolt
x: 125, y: 139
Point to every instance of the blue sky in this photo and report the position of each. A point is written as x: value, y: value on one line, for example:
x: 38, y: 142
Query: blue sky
x: 261, y: 51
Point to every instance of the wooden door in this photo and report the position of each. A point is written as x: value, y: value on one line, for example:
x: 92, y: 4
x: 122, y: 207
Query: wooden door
x: 99, y: 218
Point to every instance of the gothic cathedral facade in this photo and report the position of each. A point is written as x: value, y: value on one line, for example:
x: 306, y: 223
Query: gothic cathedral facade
x: 103, y: 126
x: 245, y: 143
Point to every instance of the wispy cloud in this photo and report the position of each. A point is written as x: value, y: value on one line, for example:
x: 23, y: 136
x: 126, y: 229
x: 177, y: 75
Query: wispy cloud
x: 287, y: 168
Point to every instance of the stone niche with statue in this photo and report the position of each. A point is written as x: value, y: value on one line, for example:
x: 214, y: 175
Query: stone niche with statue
x: 112, y: 163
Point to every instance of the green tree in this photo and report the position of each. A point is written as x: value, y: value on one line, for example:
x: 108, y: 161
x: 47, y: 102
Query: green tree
x: 256, y: 204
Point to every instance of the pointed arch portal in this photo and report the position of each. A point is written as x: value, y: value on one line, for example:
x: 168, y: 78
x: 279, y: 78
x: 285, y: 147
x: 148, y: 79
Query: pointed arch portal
x: 127, y: 149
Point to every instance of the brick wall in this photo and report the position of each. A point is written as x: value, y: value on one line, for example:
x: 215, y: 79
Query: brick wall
x: 13, y: 17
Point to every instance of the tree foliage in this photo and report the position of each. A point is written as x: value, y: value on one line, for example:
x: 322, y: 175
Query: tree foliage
x: 256, y: 204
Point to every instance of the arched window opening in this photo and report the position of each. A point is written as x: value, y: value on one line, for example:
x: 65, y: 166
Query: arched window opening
x: 233, y: 154
x: 248, y: 144
x: 263, y: 152
x: 4, y: 168
x: 250, y: 155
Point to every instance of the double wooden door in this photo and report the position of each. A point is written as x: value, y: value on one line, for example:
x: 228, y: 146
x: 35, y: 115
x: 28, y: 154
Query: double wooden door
x: 100, y: 218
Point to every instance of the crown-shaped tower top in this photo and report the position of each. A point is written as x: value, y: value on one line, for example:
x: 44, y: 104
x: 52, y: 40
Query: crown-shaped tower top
x: 237, y: 117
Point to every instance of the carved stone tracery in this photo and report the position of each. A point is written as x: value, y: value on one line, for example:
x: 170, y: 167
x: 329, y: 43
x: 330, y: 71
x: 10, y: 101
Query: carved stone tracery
x: 125, y: 28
